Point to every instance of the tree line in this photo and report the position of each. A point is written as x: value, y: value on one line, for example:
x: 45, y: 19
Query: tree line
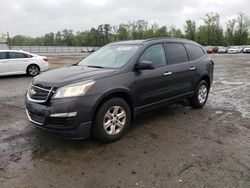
x: 210, y: 32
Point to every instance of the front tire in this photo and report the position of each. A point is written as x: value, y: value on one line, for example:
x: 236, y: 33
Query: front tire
x: 112, y: 120
x: 33, y: 70
x: 200, y: 96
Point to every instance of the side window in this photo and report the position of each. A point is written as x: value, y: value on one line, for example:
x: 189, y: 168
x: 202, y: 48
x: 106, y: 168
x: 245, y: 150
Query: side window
x: 155, y: 54
x: 176, y: 53
x: 16, y: 55
x: 3, y: 55
x: 195, y: 52
x: 27, y: 56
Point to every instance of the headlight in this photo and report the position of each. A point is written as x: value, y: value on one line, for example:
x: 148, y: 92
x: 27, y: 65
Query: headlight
x: 73, y: 90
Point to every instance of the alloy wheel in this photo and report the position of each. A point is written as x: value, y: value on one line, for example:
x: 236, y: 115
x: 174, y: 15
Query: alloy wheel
x: 33, y: 70
x: 114, y: 120
x: 202, y: 94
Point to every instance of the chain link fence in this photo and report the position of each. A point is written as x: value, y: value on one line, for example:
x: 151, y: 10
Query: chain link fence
x: 54, y: 49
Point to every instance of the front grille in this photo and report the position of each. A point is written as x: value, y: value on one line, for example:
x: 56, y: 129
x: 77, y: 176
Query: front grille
x: 39, y: 93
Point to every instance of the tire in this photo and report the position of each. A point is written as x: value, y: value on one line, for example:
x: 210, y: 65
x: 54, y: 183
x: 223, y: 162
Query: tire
x: 33, y: 70
x: 108, y: 127
x: 200, y: 96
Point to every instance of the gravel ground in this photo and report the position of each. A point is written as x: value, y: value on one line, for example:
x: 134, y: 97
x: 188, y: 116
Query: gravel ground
x: 174, y: 146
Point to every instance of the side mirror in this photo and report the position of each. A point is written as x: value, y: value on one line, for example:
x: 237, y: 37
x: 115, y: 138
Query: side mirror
x: 144, y: 65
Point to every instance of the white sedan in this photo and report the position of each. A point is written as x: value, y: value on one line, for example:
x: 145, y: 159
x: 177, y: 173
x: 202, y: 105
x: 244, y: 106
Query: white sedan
x: 19, y: 62
x: 234, y: 50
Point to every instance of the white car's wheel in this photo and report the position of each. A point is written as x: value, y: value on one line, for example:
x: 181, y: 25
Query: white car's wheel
x: 33, y: 70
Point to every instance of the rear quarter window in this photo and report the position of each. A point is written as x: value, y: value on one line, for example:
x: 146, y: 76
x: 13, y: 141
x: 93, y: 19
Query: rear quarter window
x: 194, y: 51
x: 176, y: 53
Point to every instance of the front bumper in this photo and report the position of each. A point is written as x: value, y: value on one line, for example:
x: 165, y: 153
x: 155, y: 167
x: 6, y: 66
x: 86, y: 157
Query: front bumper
x: 76, y: 126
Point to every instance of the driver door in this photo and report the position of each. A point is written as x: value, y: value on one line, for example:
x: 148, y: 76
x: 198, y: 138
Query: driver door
x: 151, y: 85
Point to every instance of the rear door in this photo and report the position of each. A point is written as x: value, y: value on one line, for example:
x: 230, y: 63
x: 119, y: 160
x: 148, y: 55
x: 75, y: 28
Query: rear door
x: 18, y: 62
x: 4, y: 65
x: 181, y: 70
x: 198, y: 60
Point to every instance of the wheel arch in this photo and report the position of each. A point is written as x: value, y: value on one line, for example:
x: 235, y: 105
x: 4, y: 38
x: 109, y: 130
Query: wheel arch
x: 206, y: 78
x: 117, y: 93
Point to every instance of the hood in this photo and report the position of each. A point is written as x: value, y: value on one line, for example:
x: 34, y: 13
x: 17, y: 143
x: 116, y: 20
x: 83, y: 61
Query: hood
x: 64, y: 76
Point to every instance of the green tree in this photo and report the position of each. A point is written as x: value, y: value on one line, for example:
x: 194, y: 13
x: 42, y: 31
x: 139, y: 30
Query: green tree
x: 241, y: 32
x: 138, y: 28
x: 230, y: 32
x: 175, y: 32
x: 211, y: 33
x: 49, y: 39
x: 161, y: 32
x: 190, y: 30
x: 58, y: 38
x: 68, y: 37
x: 107, y: 33
x: 123, y: 32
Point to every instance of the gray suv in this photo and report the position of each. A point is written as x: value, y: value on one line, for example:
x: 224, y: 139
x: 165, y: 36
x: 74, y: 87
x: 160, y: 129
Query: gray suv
x: 102, y: 94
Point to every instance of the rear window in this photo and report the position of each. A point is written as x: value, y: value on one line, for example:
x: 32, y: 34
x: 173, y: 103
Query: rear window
x: 176, y: 53
x: 3, y: 55
x: 16, y: 55
x: 195, y: 52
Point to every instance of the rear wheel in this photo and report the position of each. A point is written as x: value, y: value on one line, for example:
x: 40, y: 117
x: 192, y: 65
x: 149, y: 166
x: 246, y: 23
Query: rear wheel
x: 200, y: 96
x: 112, y: 120
x: 33, y: 70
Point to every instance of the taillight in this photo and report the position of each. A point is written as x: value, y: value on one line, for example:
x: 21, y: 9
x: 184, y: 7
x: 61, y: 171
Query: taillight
x: 45, y: 58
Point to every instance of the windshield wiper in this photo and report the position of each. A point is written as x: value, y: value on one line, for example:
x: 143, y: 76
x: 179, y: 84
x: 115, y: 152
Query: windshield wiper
x: 95, y: 66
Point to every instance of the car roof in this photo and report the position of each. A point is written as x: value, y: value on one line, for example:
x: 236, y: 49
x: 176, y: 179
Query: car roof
x: 155, y: 40
x: 18, y: 51
x: 13, y: 51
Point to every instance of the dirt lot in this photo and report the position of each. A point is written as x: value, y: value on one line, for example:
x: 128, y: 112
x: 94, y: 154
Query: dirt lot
x: 175, y: 146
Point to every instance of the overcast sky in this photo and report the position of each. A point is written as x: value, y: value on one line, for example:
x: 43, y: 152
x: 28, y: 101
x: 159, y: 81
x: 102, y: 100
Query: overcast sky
x: 37, y: 17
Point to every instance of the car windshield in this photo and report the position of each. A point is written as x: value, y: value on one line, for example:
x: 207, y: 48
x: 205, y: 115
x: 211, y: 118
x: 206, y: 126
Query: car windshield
x: 110, y: 56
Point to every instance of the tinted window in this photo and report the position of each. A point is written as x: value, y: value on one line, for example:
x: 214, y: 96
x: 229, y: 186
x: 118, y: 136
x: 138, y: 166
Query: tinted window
x: 3, y: 55
x: 15, y: 55
x: 176, y: 53
x: 155, y: 54
x: 195, y: 52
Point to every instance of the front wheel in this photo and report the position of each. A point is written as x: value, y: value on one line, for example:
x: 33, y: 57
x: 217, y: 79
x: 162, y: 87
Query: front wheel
x: 200, y: 96
x: 33, y: 70
x: 112, y: 120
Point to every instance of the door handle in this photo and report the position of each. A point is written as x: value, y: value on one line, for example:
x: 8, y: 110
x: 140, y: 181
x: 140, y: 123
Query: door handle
x: 192, y: 68
x: 167, y: 73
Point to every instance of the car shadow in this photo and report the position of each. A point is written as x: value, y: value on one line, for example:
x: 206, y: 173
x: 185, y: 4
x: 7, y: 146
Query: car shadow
x: 15, y: 76
x: 45, y: 142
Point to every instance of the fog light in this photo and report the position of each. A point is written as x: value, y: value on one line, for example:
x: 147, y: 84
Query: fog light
x: 69, y: 114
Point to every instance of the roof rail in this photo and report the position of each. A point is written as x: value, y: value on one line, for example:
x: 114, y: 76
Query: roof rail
x: 158, y: 38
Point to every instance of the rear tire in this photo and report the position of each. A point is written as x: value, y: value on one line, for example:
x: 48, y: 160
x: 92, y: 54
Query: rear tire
x: 112, y: 120
x: 33, y: 70
x: 200, y: 96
